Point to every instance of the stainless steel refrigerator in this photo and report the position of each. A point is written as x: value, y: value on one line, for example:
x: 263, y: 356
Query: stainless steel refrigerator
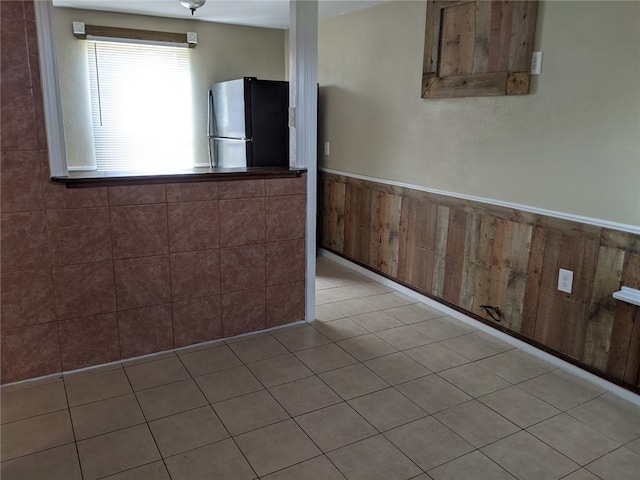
x: 248, y: 123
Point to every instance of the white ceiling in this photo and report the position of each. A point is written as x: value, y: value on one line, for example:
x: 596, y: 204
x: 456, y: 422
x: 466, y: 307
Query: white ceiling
x: 259, y: 13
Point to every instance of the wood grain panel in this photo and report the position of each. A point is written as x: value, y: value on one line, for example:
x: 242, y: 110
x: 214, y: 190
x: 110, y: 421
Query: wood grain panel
x: 440, y: 263
x: 482, y: 35
x: 333, y: 202
x: 454, y: 258
x: 458, y: 40
x: 357, y: 224
x: 385, y: 232
x: 523, y: 34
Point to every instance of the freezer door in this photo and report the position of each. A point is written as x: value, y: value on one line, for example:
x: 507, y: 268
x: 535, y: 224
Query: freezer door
x: 270, y: 123
x: 231, y: 153
x: 229, y: 109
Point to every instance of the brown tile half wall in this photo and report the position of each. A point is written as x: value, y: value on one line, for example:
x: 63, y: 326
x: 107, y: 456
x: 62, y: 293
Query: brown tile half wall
x: 468, y: 254
x: 94, y: 275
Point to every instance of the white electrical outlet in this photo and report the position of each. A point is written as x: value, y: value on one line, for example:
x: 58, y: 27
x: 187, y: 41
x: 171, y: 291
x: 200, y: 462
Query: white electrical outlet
x: 565, y: 280
x: 536, y: 63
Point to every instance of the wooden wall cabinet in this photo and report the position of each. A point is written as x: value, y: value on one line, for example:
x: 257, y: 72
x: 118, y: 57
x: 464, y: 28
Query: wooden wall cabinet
x: 478, y: 48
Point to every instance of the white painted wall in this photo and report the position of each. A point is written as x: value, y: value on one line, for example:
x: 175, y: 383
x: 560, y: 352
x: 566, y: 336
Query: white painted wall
x: 572, y: 145
x: 224, y: 52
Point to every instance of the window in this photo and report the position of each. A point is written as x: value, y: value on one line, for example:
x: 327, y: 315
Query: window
x: 141, y: 106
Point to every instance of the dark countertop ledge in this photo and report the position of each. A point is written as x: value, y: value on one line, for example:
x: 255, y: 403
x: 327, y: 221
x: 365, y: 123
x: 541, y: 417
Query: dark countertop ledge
x: 201, y: 174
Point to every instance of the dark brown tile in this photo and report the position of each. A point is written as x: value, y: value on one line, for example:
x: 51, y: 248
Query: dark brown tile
x: 139, y: 231
x: 89, y: 341
x: 285, y: 217
x: 27, y: 298
x: 285, y: 262
x: 241, y: 189
x: 137, y: 194
x: 17, y: 124
x: 20, y: 182
x: 242, y: 222
x: 285, y: 304
x: 24, y: 243
x: 193, y: 226
x: 192, y: 192
x: 286, y: 186
x: 79, y: 236
x: 32, y: 45
x: 242, y: 268
x: 142, y: 282
x: 29, y: 352
x: 145, y: 330
x: 38, y: 109
x: 10, y: 11
x: 57, y: 195
x: 195, y: 274
x: 84, y: 290
x: 60, y: 463
x: 243, y: 312
x: 14, y: 63
x: 196, y: 321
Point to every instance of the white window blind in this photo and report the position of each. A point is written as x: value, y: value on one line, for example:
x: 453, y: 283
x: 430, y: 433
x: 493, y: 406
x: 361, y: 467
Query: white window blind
x: 141, y: 105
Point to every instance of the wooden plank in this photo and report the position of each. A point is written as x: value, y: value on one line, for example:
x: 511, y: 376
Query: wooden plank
x: 133, y: 34
x: 523, y: 29
x: 357, y: 223
x: 632, y: 369
x: 470, y: 265
x: 483, y: 265
x: 518, y: 83
x: 623, y: 240
x: 454, y: 260
x: 534, y: 279
x: 439, y: 264
x: 333, y: 215
x: 602, y: 307
x: 475, y: 85
x: 457, y: 41
x: 385, y: 232
x: 432, y: 37
x: 547, y: 329
x: 517, y: 283
x: 500, y: 265
x: 482, y: 34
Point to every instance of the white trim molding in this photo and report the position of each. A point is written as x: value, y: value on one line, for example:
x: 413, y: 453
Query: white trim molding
x: 623, y: 227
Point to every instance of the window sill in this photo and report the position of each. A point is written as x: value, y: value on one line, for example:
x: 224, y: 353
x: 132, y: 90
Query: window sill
x: 201, y: 174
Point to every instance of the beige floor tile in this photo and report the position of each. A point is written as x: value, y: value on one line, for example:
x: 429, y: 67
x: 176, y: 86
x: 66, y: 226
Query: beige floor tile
x: 354, y: 306
x: 229, y: 383
x: 436, y: 357
x: 374, y: 458
x: 255, y: 349
x: 324, y: 358
x: 106, y: 416
x: 352, y: 381
x: 249, y: 412
x: 404, y: 337
x: 219, y: 460
x: 494, y: 340
x: 366, y: 347
x: 428, y: 442
x: 527, y: 458
x: 386, y: 301
x: 151, y: 471
x: 35, y: 434
x: 300, y: 338
x: 387, y: 409
x: 36, y: 382
x: 438, y: 329
x: 28, y: 402
x: 581, y: 474
x: 91, y: 388
x: 210, y: 360
x: 574, y: 439
x: 275, y: 447
x: 397, y: 368
x: 433, y: 394
x: 634, y: 445
x: 410, y: 314
x: 327, y: 312
x: 476, y: 423
x: 621, y: 464
x: 159, y: 372
x: 277, y: 370
x: 335, y: 426
x: 165, y: 400
x: 60, y: 463
x: 187, y: 430
x: 633, y: 408
x: 608, y: 418
x: 153, y: 357
x: 473, y: 465
x: 519, y: 406
x: 474, y: 380
x: 515, y: 366
x: 376, y: 321
x: 305, y: 395
x: 340, y: 329
x: 468, y: 327
x: 472, y: 347
x: 117, y: 451
x: 557, y: 391
x: 318, y: 468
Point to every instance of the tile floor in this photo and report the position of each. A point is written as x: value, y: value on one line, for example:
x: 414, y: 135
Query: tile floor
x: 380, y: 387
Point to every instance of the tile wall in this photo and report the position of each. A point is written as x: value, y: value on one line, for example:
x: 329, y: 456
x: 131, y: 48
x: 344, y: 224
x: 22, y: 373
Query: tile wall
x: 94, y: 275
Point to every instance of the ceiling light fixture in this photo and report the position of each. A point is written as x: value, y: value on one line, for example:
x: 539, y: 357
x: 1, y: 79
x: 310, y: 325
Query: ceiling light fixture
x: 192, y: 4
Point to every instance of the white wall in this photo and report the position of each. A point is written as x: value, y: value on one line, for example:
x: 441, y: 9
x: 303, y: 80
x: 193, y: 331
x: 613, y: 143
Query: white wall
x: 224, y: 52
x: 572, y: 145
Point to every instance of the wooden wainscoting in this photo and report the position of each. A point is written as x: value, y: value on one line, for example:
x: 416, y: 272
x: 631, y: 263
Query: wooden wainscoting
x: 467, y: 254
